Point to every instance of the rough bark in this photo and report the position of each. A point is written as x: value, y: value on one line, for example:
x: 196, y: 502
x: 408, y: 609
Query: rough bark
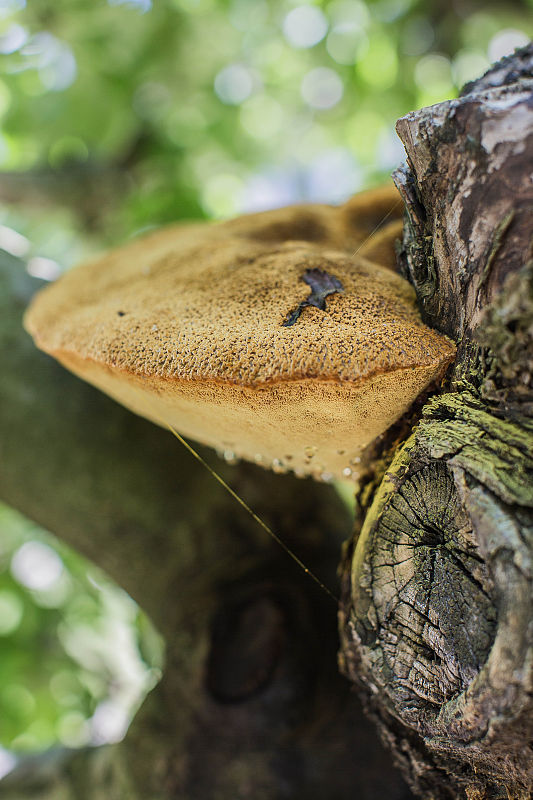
x: 436, y: 611
x: 251, y: 703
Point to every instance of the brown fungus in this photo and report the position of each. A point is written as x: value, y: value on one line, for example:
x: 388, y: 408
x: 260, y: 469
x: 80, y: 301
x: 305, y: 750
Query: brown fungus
x: 185, y: 326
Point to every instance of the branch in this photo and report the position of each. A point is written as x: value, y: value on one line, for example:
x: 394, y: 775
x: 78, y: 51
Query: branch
x: 251, y: 703
x: 90, y: 190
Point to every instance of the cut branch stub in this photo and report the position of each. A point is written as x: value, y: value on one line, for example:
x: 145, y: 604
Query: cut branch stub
x: 439, y: 620
x: 421, y: 555
x: 188, y: 327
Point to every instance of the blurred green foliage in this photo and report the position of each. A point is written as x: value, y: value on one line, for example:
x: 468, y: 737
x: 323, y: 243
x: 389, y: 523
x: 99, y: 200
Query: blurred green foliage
x: 117, y: 116
x: 77, y: 655
x: 132, y: 114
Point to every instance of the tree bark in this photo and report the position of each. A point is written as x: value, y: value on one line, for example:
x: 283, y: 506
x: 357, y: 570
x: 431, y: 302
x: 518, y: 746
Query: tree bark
x: 436, y: 609
x: 251, y: 703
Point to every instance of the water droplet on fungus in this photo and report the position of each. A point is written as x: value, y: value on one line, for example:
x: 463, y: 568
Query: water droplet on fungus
x: 230, y: 457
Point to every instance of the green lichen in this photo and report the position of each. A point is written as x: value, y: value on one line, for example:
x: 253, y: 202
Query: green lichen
x: 457, y: 427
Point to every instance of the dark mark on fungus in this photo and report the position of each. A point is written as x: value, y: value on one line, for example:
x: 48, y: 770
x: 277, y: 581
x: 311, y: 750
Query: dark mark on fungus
x: 322, y: 285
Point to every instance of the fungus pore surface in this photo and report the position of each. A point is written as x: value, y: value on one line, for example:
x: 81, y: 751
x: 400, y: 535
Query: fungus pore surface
x: 186, y: 327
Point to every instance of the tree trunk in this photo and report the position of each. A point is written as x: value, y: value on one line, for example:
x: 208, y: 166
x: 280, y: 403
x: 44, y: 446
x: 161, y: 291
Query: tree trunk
x: 436, y: 608
x: 251, y: 704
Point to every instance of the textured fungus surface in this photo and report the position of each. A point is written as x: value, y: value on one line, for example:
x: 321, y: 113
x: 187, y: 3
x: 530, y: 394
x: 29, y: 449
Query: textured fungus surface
x: 186, y: 326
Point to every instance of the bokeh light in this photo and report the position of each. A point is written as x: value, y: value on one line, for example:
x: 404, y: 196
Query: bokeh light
x: 13, y: 242
x: 52, y: 58
x: 322, y: 88
x: 222, y: 196
x: 505, y: 42
x: 467, y: 65
x: 305, y: 26
x: 333, y: 177
x: 350, y: 12
x: 433, y: 76
x: 45, y: 268
x: 347, y: 42
x: 7, y: 761
x: 234, y: 84
x: 272, y: 188
x: 13, y: 39
x: 140, y: 5
x: 36, y: 566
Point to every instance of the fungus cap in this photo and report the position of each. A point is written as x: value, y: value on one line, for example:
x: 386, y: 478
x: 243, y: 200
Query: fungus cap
x: 189, y: 326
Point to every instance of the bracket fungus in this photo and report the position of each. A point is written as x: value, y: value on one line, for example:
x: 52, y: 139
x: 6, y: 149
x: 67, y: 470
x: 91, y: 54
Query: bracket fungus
x: 188, y: 326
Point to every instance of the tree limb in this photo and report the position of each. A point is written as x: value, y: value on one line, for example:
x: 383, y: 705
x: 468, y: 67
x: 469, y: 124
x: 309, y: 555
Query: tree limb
x: 251, y: 703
